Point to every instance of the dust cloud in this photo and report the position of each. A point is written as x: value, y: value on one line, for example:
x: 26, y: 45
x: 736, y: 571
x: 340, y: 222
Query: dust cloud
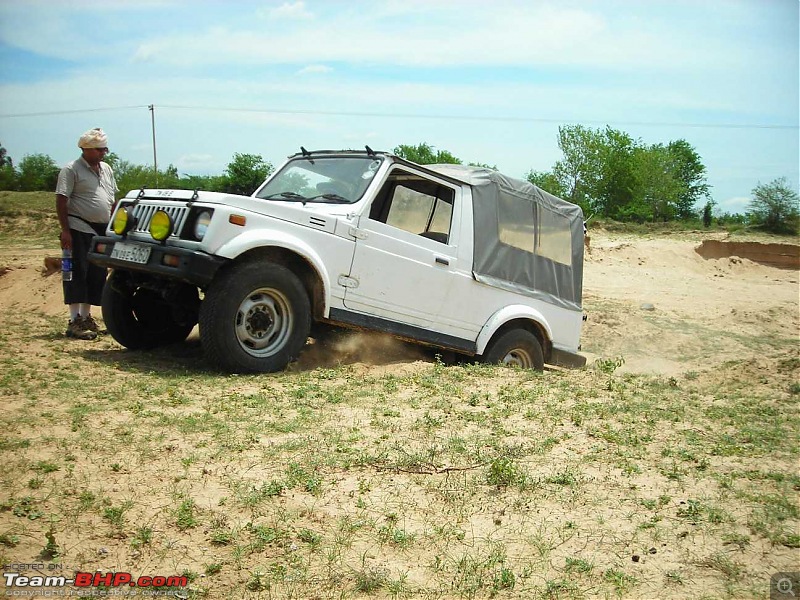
x: 336, y: 347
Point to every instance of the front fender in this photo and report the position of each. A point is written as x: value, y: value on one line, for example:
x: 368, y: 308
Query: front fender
x: 505, y: 315
x: 275, y: 238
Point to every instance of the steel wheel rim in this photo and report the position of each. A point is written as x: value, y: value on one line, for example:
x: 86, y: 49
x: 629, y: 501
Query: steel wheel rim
x: 264, y: 322
x: 518, y: 358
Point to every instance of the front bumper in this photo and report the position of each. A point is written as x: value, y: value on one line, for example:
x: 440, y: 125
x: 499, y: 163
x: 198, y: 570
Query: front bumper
x: 194, y: 267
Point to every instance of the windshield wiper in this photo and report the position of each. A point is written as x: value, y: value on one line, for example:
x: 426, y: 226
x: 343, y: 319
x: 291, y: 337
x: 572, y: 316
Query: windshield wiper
x: 331, y: 197
x: 286, y: 196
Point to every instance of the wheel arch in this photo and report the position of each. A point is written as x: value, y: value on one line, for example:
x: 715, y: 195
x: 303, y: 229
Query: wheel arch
x: 516, y: 318
x: 308, y: 272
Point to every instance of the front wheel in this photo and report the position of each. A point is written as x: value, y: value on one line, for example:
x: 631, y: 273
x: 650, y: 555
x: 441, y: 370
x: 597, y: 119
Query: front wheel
x: 516, y: 348
x: 255, y: 318
x: 139, y: 318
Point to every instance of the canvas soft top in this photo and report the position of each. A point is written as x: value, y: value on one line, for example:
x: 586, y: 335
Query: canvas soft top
x: 526, y: 240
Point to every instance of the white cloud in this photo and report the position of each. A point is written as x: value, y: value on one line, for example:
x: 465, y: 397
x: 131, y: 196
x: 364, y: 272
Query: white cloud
x: 736, y: 204
x: 288, y: 10
x: 525, y: 36
x: 314, y: 69
x: 38, y: 36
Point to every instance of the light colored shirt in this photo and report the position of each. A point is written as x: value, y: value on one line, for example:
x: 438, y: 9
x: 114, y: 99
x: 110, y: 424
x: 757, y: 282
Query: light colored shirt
x: 89, y: 196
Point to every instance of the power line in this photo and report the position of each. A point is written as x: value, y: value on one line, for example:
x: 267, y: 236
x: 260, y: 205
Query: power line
x: 70, y: 112
x: 450, y: 117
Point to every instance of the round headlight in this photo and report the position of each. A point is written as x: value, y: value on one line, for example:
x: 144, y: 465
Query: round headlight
x: 120, y: 223
x: 161, y: 225
x: 201, y: 224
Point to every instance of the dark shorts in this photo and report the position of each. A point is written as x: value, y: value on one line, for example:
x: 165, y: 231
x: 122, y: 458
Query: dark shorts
x: 88, y: 280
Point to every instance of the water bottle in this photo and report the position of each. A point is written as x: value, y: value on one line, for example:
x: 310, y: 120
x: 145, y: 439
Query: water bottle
x: 66, y: 265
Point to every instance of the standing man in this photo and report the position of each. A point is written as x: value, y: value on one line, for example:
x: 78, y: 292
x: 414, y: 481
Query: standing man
x: 84, y: 200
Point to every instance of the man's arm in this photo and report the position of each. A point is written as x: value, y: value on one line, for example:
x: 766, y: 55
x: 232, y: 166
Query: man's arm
x: 63, y: 220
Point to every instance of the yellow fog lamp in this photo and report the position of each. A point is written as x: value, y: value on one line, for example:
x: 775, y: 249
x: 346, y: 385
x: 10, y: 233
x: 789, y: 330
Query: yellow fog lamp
x: 123, y: 222
x: 161, y: 225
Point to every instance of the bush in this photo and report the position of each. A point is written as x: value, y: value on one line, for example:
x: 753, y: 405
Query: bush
x: 774, y: 207
x: 245, y: 173
x: 8, y: 178
x: 37, y: 172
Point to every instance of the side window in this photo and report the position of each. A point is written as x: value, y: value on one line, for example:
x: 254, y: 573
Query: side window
x: 555, y: 238
x: 409, y: 209
x: 416, y: 205
x: 534, y: 229
x: 515, y: 223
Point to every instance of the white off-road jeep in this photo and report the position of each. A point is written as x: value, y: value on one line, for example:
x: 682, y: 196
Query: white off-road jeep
x: 459, y: 258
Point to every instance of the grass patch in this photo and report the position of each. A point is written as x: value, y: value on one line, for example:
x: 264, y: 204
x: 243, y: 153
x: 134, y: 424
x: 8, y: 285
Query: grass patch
x: 28, y: 219
x: 426, y: 481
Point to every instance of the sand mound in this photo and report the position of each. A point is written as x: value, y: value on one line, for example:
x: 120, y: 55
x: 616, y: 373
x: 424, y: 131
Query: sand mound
x: 785, y: 256
x: 30, y: 282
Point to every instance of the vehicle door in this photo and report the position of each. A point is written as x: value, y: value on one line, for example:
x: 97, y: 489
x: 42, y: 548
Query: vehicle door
x: 405, y: 252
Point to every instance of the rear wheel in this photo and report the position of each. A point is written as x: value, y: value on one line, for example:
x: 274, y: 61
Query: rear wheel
x: 516, y: 348
x: 255, y: 318
x: 139, y: 318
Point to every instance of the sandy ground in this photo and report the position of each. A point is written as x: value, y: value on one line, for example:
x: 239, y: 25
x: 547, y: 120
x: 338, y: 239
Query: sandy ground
x: 654, y: 302
x: 664, y: 309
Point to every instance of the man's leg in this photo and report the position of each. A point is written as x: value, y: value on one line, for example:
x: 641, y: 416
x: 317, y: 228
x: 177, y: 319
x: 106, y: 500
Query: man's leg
x: 95, y: 281
x: 76, y: 292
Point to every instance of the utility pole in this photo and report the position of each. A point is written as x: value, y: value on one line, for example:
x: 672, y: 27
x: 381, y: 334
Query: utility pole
x: 153, y: 126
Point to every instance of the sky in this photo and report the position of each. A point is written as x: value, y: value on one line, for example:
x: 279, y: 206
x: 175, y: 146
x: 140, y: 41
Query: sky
x: 490, y: 82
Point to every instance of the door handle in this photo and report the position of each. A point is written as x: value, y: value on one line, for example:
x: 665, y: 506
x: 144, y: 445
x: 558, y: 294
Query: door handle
x: 442, y: 261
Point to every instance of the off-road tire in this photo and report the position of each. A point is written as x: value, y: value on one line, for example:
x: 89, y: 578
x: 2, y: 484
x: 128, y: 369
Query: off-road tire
x: 255, y: 318
x: 139, y: 318
x: 518, y: 347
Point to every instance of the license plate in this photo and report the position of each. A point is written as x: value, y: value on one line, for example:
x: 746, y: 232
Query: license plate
x: 131, y: 252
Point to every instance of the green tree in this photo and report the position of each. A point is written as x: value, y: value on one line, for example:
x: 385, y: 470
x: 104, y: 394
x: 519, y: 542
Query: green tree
x: 5, y: 159
x: 245, y: 173
x: 656, y: 188
x: 8, y: 176
x: 423, y: 154
x: 211, y: 183
x: 732, y: 219
x: 707, y: 214
x: 607, y: 172
x: 688, y: 168
x: 112, y: 159
x: 134, y: 177
x: 130, y: 176
x: 37, y: 172
x: 597, y: 169
x: 774, y: 207
x: 547, y: 181
x: 579, y: 171
x: 614, y: 188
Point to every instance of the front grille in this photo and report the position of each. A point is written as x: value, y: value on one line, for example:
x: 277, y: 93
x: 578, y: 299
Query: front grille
x: 145, y: 212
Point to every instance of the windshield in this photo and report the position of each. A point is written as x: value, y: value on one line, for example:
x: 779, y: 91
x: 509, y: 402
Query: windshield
x: 336, y: 180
